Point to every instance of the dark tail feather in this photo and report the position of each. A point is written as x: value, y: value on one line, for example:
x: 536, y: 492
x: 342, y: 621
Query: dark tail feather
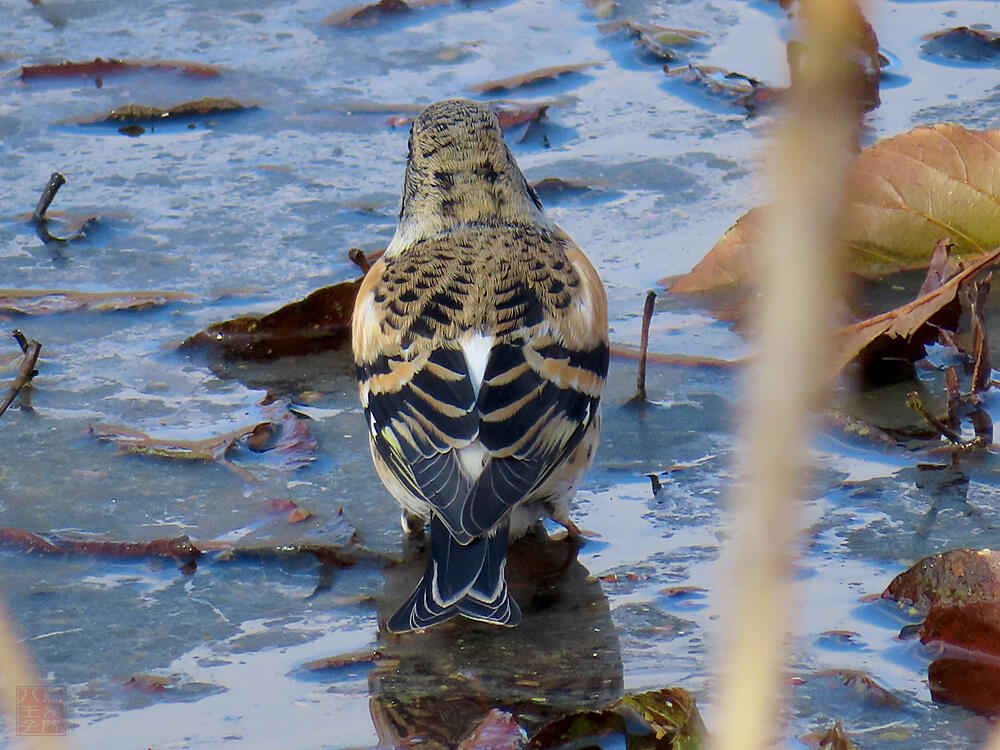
x: 460, y: 579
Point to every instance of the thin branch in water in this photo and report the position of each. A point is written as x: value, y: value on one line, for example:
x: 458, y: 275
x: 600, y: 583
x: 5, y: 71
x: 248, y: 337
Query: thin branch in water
x: 978, y: 293
x: 647, y: 317
x: 24, y: 374
x: 914, y: 402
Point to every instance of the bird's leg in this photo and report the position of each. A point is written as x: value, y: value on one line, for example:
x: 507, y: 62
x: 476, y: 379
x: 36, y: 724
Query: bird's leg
x: 413, y: 525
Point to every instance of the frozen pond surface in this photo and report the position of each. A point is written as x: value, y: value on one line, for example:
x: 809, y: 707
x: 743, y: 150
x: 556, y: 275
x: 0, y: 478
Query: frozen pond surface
x: 250, y: 211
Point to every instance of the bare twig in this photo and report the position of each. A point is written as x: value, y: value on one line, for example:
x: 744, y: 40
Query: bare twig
x: 38, y: 218
x: 914, y: 401
x: 25, y: 373
x: 55, y: 182
x: 640, y: 383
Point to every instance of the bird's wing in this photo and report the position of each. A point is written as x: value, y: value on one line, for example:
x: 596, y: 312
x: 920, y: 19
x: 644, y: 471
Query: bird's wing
x: 419, y: 401
x: 538, y: 395
x: 540, y: 392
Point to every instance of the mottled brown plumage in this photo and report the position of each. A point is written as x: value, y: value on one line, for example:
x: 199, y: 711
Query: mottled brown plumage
x: 480, y: 339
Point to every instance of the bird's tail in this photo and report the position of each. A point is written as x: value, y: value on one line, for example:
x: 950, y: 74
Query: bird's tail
x: 467, y: 580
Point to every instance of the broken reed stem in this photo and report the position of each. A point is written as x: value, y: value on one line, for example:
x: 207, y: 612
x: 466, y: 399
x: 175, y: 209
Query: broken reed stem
x: 647, y: 317
x: 788, y: 378
x: 55, y: 182
x: 913, y: 401
x: 38, y: 218
x: 25, y: 373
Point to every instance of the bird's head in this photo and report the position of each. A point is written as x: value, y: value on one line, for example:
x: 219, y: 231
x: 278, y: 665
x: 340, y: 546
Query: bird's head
x: 460, y: 171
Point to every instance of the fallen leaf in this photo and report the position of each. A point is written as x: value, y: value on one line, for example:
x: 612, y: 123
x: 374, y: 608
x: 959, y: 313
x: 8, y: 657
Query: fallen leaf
x: 320, y: 322
x: 903, y: 194
x: 297, y: 515
x: 731, y: 262
x: 176, y: 548
x: 133, y: 113
x: 734, y: 88
x: 532, y: 76
x: 963, y: 43
x: 862, y: 684
x: 659, y: 41
x: 350, y: 659
x: 99, y: 68
x: 832, y: 739
x: 954, y: 577
x: 52, y: 301
x: 292, y: 449
x: 497, y: 731
x: 554, y: 189
x: 26, y: 541
x: 903, y: 331
x: 370, y: 15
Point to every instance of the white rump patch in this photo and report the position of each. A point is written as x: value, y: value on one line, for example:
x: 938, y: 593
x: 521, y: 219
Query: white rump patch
x: 476, y: 347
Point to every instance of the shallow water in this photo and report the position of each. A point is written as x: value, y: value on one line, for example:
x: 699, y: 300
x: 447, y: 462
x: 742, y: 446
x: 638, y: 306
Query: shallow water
x: 247, y: 212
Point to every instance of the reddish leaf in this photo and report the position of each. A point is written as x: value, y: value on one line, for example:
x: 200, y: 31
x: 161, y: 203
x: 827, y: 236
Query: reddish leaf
x: 99, y: 68
x: 862, y: 683
x: 26, y: 541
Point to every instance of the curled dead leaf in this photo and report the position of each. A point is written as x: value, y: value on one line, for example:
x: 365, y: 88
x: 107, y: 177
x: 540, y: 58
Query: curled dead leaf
x: 905, y: 330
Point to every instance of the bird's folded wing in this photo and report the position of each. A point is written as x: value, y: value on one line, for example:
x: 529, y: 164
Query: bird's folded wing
x: 420, y: 412
x: 537, y: 401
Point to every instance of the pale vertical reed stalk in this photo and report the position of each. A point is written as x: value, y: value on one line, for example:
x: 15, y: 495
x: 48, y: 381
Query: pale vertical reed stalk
x: 789, y: 377
x: 16, y: 670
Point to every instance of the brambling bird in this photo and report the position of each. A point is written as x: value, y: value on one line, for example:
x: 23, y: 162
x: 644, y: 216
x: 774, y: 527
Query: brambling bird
x: 481, y: 344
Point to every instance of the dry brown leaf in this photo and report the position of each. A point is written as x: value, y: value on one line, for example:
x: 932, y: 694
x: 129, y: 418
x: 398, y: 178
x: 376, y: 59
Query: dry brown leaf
x: 731, y: 262
x: 369, y: 15
x: 130, y: 113
x: 907, y: 324
x: 522, y: 79
x: 320, y: 322
x: 50, y: 301
x: 902, y: 195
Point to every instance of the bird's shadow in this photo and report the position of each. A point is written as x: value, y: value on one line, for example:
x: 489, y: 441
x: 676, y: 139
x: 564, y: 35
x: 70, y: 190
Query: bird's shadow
x: 430, y: 688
